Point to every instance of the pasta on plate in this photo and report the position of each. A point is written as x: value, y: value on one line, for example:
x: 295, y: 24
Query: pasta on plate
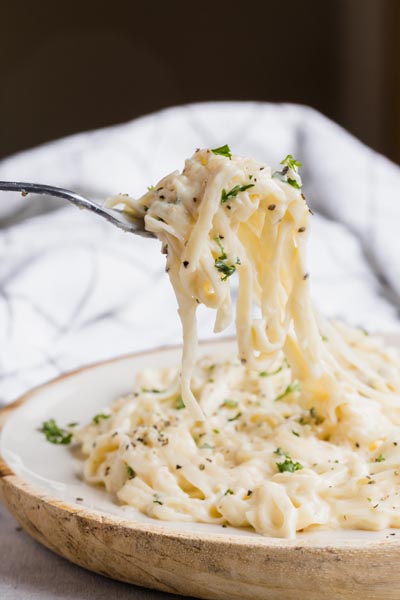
x: 301, y: 428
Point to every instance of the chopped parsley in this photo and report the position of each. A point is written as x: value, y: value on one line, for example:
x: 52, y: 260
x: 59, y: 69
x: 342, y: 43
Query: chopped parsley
x: 313, y: 417
x: 216, y: 431
x: 220, y: 262
x: 72, y: 424
x: 202, y: 467
x: 317, y: 418
x: 226, y: 196
x: 152, y: 391
x: 96, y: 418
x: 228, y: 492
x: 295, y: 433
x: 380, y: 458
x: 268, y: 374
x: 230, y: 403
x: 289, y: 163
x: 150, y: 187
x: 292, y: 387
x: 55, y: 434
x: 280, y: 452
x: 223, y: 151
x: 236, y: 417
x: 131, y: 472
x: 179, y: 403
x: 156, y: 500
x: 288, y: 466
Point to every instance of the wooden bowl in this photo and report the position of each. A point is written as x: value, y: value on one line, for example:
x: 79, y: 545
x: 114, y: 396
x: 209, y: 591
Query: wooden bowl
x: 40, y: 485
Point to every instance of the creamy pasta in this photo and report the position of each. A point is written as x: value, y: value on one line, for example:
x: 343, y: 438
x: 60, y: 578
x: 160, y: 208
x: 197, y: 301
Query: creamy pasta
x: 301, y: 429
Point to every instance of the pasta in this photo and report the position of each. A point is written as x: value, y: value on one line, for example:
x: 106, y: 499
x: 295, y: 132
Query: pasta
x: 301, y: 428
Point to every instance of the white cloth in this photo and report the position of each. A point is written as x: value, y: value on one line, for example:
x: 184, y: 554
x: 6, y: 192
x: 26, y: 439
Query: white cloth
x: 73, y: 289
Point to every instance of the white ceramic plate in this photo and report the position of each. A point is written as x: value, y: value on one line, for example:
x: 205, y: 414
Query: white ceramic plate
x: 53, y: 474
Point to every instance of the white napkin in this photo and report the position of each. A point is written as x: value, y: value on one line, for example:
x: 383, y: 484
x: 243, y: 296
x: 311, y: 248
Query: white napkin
x: 73, y: 289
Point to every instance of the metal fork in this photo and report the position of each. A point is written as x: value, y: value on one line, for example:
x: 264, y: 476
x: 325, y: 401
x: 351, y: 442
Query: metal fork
x: 114, y: 216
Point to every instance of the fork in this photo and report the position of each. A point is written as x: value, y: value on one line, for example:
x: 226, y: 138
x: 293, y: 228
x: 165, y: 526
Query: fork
x: 113, y: 215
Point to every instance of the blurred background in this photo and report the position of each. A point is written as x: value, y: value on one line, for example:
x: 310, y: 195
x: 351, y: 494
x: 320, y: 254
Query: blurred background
x: 68, y: 67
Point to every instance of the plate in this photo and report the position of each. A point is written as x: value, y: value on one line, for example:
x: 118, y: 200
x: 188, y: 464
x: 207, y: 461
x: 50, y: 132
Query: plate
x: 42, y: 487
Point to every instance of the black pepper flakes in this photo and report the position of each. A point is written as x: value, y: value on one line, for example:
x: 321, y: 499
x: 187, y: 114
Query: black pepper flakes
x: 272, y: 207
x: 185, y: 263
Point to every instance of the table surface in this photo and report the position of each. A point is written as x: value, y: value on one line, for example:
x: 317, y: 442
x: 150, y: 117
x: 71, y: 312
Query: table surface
x: 29, y: 571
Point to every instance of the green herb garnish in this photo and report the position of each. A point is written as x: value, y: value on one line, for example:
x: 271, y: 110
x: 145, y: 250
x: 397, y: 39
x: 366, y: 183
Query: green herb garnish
x: 226, y: 196
x: 295, y: 433
x: 291, y: 162
x: 313, y: 416
x: 289, y: 466
x: 223, y: 151
x: 220, y: 263
x: 316, y: 418
x: 267, y: 374
x: 55, y: 434
x: 230, y: 403
x: 152, y: 391
x: 280, y: 452
x: 224, y: 268
x: 156, y: 500
x: 236, y: 417
x: 96, y: 418
x: 288, y: 163
x: 380, y: 458
x: 292, y: 387
x: 150, y: 187
x: 179, y: 403
x: 228, y: 492
x: 131, y: 472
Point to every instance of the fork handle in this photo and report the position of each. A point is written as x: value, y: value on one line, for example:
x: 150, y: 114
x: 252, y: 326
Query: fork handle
x: 48, y: 190
x: 115, y: 217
